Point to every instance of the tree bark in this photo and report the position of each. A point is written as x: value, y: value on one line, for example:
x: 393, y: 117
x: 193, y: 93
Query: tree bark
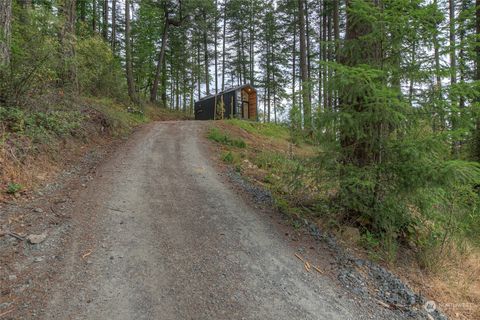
x: 309, y: 66
x: 205, y: 47
x: 252, y: 44
x: 223, y: 44
x: 294, y: 58
x: 359, y: 49
x: 94, y: 15
x: 453, y: 58
x: 336, y: 28
x: 5, y: 32
x: 329, y: 58
x: 324, y: 56
x: 83, y: 10
x: 216, y: 51
x: 477, y: 76
x: 161, y: 57
x: 67, y: 40
x: 128, y: 55
x: 105, y: 20
x: 303, y: 67
x: 114, y: 26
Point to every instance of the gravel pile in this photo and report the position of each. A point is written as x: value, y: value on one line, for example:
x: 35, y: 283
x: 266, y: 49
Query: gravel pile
x: 260, y: 195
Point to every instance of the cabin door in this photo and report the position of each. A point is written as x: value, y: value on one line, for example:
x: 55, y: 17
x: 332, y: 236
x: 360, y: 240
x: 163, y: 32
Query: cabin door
x: 245, y: 105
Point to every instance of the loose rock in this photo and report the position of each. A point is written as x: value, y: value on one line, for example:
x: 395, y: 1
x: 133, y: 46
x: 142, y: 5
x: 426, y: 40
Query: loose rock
x: 37, y: 238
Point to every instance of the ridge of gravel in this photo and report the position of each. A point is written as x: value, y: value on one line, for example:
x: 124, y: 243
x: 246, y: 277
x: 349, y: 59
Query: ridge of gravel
x: 362, y: 277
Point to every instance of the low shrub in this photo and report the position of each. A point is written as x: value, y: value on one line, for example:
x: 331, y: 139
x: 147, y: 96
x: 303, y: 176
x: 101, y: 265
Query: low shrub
x: 223, y: 138
x: 13, y: 188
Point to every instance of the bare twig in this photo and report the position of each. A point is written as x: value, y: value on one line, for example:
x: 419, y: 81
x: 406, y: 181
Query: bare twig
x: 299, y: 257
x: 318, y: 269
x: 86, y: 254
x: 16, y: 236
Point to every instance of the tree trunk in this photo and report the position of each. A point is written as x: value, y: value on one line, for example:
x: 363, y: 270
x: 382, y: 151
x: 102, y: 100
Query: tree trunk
x: 359, y: 49
x: 320, y: 56
x: 5, y: 32
x: 161, y: 57
x: 114, y: 26
x: 267, y: 84
x: 437, y: 54
x: 223, y: 45
x: 303, y: 67
x: 336, y: 28
x: 205, y: 46
x: 324, y: 56
x: 216, y: 51
x: 294, y: 58
x: 67, y: 41
x: 94, y: 15
x: 105, y: 20
x: 215, y: 40
x: 309, y: 66
x: 242, y: 57
x: 453, y: 58
x: 198, y: 71
x: 251, y: 45
x: 438, y: 77
x: 128, y: 55
x: 83, y: 10
x: 164, y: 83
x: 462, y: 54
x: 477, y: 76
x: 329, y: 58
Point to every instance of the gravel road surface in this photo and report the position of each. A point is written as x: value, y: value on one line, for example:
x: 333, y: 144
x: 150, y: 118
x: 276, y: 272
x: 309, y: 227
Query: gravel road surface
x: 164, y: 236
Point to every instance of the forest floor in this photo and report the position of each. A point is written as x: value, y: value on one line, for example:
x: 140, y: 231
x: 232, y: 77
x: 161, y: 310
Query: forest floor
x: 153, y: 228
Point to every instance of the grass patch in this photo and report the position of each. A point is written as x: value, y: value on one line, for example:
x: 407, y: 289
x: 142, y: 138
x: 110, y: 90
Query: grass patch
x: 264, y: 129
x: 221, y: 137
x: 228, y: 157
x: 13, y: 188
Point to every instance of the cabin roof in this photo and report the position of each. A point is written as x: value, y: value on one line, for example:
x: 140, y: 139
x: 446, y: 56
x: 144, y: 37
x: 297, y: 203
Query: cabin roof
x: 247, y: 85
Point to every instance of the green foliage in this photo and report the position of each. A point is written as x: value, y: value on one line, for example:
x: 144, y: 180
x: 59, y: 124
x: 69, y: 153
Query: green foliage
x: 216, y: 135
x: 13, y: 188
x: 99, y: 72
x: 118, y: 119
x: 41, y: 125
x: 228, y: 157
x: 264, y: 129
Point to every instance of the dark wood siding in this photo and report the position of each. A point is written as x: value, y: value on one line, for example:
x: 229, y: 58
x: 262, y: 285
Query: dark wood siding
x: 205, y: 108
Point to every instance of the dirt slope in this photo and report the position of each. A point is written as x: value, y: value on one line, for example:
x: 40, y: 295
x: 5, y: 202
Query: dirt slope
x: 158, y: 234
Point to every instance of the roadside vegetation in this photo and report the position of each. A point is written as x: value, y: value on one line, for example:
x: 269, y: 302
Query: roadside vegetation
x: 435, y: 246
x: 62, y: 92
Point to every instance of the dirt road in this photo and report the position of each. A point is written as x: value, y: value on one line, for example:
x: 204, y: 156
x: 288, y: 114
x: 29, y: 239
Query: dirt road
x: 165, y: 237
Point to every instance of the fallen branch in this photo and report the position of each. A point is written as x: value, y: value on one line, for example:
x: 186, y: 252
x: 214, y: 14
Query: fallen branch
x: 89, y: 252
x: 307, y: 266
x: 16, y: 236
x: 299, y: 257
x: 6, y: 312
x: 386, y: 305
x: 317, y: 269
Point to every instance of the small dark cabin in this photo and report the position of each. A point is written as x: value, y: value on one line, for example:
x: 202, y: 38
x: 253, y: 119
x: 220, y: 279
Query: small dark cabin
x: 237, y: 102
